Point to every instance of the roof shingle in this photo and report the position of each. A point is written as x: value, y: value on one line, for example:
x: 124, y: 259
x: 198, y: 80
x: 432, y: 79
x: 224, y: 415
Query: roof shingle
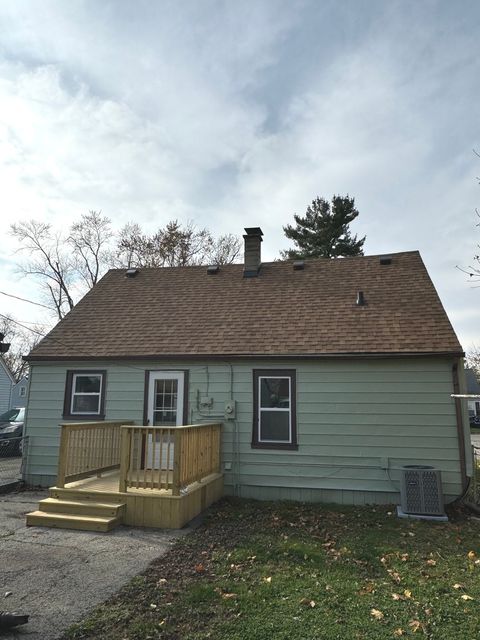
x: 183, y: 311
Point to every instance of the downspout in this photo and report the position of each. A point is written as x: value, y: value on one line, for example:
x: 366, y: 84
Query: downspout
x: 460, y: 430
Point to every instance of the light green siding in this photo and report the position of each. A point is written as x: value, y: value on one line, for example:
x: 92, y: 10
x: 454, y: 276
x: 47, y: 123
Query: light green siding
x: 351, y: 416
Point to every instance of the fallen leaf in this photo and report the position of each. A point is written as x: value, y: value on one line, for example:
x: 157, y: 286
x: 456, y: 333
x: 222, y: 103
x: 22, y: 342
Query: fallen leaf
x: 228, y: 596
x: 378, y: 615
x: 199, y: 568
x: 394, y: 575
x: 407, y: 593
x: 415, y: 625
x: 457, y: 585
x: 404, y: 557
x: 269, y: 579
x: 471, y: 555
x: 396, y: 596
x: 431, y: 562
x: 368, y: 588
x: 153, y: 606
x: 399, y: 632
x: 466, y: 597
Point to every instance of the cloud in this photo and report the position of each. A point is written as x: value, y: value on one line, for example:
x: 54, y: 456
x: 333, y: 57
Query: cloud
x: 236, y: 114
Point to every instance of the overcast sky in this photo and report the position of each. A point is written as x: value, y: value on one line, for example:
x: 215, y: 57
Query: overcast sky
x: 234, y: 114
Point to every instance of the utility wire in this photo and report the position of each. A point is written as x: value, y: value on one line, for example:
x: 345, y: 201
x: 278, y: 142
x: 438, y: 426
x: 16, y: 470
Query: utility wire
x: 38, y: 304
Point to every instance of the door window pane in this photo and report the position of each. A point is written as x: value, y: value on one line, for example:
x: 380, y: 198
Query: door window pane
x: 165, y: 402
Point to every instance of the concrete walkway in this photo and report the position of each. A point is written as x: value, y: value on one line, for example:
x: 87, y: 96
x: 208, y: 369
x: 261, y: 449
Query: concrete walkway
x: 57, y: 576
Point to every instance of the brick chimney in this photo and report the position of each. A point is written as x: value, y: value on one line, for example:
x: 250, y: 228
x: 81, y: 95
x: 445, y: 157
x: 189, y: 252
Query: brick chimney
x: 252, y: 259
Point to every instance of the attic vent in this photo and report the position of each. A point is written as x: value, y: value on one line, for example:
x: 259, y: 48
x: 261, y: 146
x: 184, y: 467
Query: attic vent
x: 360, y: 299
x: 299, y: 265
x: 385, y: 259
x: 213, y: 269
x: 131, y: 273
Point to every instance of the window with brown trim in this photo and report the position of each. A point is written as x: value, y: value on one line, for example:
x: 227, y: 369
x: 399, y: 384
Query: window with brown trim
x: 274, y: 409
x: 85, y: 395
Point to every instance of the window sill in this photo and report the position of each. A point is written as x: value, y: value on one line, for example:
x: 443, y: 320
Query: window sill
x: 287, y: 446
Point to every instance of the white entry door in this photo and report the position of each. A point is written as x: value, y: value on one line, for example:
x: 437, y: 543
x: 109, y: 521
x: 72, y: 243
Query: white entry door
x: 165, y: 398
x: 165, y: 409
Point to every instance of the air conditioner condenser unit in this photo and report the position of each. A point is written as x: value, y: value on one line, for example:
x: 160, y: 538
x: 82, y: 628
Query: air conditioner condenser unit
x: 421, y: 491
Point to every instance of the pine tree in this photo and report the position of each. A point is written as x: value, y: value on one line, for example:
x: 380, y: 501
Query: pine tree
x: 323, y: 232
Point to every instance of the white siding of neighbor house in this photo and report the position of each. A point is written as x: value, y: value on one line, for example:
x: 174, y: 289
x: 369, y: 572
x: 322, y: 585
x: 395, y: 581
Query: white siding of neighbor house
x: 6, y: 383
x: 351, y: 416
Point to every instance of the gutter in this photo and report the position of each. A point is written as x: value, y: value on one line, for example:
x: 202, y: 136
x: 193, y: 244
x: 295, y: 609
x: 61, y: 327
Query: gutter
x: 246, y: 356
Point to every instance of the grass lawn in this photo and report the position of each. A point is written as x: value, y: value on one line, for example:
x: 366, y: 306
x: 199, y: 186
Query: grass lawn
x: 262, y: 571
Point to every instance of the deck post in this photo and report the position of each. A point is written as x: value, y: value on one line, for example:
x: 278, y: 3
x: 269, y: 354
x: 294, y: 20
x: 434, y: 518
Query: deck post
x: 177, y: 453
x: 217, y: 448
x: 125, y: 446
x: 62, y: 456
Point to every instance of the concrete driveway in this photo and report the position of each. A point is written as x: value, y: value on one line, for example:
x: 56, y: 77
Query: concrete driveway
x: 57, y: 576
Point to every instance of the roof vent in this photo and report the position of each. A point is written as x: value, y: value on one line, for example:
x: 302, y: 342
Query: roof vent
x: 213, y: 269
x: 385, y: 259
x: 299, y: 265
x: 360, y: 299
x: 131, y: 273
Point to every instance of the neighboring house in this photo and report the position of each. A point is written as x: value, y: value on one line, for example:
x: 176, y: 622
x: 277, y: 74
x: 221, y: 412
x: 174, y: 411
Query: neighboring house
x: 328, y: 375
x: 473, y: 388
x: 7, y: 381
x: 19, y: 393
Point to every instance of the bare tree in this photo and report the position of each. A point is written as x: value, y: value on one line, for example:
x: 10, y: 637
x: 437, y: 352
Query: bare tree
x: 472, y: 359
x: 22, y: 341
x: 173, y: 246
x: 66, y: 266
x: 225, y: 250
x: 89, y: 239
x: 473, y: 269
x: 48, y: 261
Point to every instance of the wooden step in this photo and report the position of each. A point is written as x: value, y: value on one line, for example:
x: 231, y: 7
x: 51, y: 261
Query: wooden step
x: 85, y: 496
x: 82, y: 507
x: 71, y: 521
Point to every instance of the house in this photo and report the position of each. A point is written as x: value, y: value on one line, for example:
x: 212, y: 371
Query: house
x: 19, y: 393
x: 324, y: 378
x: 7, y: 381
x: 473, y: 388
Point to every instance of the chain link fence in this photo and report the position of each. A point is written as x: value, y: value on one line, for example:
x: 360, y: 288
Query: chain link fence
x: 473, y: 494
x: 13, y: 452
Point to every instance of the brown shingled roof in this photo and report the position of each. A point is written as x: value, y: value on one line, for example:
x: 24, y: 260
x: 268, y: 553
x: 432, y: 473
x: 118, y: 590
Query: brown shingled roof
x: 183, y: 311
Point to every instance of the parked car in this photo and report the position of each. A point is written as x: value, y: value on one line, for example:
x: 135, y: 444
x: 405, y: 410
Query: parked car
x: 475, y: 421
x: 11, y: 432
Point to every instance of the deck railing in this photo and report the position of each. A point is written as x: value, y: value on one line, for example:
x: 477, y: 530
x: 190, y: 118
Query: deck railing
x: 88, y: 448
x: 168, y: 457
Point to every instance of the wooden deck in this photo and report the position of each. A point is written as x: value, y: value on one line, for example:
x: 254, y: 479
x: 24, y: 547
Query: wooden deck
x: 132, y: 481
x: 109, y: 482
